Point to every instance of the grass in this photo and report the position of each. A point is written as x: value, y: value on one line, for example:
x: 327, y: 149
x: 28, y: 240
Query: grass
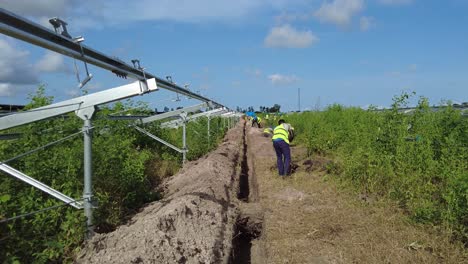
x: 330, y: 224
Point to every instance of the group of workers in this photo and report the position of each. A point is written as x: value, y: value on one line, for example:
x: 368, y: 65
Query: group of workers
x: 282, y: 135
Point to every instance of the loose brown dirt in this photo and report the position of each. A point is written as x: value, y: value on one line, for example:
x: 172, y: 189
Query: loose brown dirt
x: 194, y: 223
x: 232, y: 207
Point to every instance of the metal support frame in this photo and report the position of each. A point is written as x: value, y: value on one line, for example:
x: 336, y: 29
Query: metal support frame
x: 208, y: 129
x: 21, y: 28
x: 77, y: 104
x: 231, y: 117
x: 159, y: 139
x: 182, y: 114
x: 39, y: 185
x: 84, y: 108
x: 88, y: 175
x: 189, y: 109
x: 184, y: 137
x: 177, y: 123
x: 86, y: 115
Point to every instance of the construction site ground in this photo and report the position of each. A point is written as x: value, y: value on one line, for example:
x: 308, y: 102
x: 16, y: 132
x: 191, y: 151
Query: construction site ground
x: 232, y: 207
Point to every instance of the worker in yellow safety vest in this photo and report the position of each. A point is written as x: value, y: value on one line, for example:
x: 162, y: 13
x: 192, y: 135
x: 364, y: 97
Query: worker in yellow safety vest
x: 268, y: 132
x: 283, y: 134
x: 256, y: 121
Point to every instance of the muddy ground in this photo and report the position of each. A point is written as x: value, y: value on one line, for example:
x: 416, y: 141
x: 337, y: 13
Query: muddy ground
x: 232, y: 207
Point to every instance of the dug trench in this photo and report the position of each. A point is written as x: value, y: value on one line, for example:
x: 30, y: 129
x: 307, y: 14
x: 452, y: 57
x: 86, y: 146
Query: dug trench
x: 231, y: 207
x: 248, y: 228
x: 208, y: 215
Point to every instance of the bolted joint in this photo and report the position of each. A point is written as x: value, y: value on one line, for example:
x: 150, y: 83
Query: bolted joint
x: 87, y: 197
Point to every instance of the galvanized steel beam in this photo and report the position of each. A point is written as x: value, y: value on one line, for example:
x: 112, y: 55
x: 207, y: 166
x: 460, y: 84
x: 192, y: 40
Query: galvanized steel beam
x: 21, y: 28
x: 78, y: 104
x: 39, y: 185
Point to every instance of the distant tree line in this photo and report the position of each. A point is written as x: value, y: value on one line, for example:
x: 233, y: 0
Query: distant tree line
x: 264, y: 109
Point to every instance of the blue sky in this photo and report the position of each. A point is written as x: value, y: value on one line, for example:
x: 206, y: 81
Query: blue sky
x: 255, y: 52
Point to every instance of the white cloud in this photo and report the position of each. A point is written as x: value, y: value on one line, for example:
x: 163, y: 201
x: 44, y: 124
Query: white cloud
x: 17, y: 70
x: 396, y: 2
x: 97, y: 14
x: 52, y: 62
x: 366, y: 23
x: 278, y: 79
x: 37, y: 7
x: 285, y: 17
x: 288, y: 37
x: 6, y: 89
x: 14, y: 65
x: 339, y: 12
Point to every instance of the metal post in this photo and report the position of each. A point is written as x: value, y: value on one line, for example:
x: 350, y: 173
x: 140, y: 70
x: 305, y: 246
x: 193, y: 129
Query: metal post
x: 208, y: 126
x: 184, y: 143
x: 88, y: 174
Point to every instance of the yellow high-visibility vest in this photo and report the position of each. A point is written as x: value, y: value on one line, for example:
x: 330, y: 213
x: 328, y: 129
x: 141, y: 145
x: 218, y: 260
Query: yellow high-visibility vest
x: 281, y: 133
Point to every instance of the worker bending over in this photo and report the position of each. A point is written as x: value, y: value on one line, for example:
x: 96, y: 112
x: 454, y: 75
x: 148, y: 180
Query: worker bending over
x: 283, y: 134
x: 256, y: 121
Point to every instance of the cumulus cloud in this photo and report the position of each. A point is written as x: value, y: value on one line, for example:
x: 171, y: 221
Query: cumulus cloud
x: 339, y: 12
x: 17, y: 70
x: 396, y: 2
x: 52, y: 62
x: 288, y: 37
x: 14, y: 65
x: 278, y: 79
x: 366, y: 23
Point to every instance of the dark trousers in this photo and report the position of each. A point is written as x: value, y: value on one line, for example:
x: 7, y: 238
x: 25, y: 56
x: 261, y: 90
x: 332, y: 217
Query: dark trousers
x: 283, y: 156
x: 255, y: 122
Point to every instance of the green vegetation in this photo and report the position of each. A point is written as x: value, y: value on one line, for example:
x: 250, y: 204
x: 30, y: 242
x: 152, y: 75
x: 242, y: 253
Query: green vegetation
x: 418, y: 159
x: 127, y: 168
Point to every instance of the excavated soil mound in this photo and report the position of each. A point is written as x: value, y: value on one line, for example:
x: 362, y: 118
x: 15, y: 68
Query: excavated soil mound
x: 194, y: 223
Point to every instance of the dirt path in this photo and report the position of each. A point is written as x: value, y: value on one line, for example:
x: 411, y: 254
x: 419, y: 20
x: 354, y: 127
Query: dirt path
x: 231, y: 207
x: 307, y: 220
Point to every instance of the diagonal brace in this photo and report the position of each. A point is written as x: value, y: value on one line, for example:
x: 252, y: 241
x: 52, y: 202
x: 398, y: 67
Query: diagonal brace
x: 160, y: 140
x: 39, y: 185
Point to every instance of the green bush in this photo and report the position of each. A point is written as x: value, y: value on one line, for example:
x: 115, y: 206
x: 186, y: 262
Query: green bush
x: 419, y: 159
x: 123, y: 177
